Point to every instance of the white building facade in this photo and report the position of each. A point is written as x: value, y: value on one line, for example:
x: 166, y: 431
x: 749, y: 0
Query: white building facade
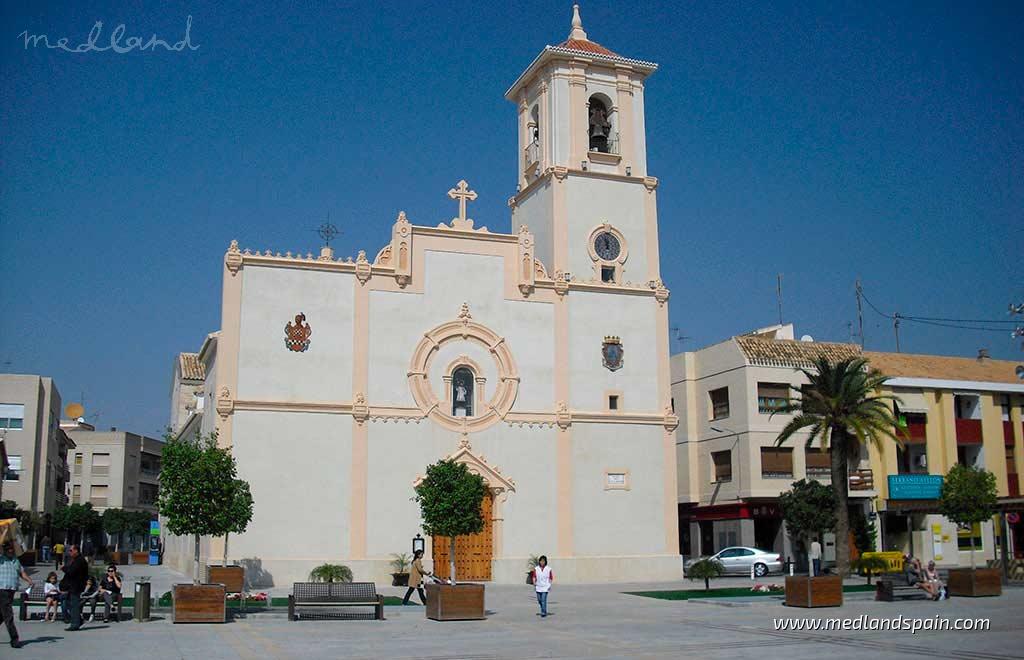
x: 539, y: 358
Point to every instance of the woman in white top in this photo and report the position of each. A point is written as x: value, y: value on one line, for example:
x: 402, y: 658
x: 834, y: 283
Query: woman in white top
x: 542, y: 579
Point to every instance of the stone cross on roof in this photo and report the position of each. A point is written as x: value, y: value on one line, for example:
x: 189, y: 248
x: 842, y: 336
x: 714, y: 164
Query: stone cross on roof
x: 462, y: 193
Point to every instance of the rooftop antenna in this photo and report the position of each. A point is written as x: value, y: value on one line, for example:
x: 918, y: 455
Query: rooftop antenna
x: 328, y: 231
x: 778, y: 295
x: 678, y: 335
x: 896, y: 329
x: 860, y: 314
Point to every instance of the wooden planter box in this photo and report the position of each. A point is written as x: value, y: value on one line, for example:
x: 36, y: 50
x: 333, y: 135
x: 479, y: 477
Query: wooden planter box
x: 198, y: 603
x: 446, y: 602
x: 140, y: 557
x: 232, y: 577
x: 977, y: 582
x: 821, y: 591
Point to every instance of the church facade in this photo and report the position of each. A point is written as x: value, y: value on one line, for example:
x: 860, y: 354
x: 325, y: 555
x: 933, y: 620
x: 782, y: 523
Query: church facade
x: 537, y: 357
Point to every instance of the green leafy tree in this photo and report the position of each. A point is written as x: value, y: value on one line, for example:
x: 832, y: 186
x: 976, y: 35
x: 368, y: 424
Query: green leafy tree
x: 705, y: 569
x: 450, y: 497
x: 968, y: 497
x: 809, y: 510
x: 842, y: 409
x: 864, y: 532
x: 200, y: 494
x: 78, y: 517
x: 331, y: 573
x: 114, y: 524
x: 136, y: 526
x: 238, y: 512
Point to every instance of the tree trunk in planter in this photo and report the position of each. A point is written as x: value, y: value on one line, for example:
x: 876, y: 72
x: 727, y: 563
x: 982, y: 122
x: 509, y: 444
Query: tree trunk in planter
x: 807, y: 591
x: 455, y: 602
x: 198, y: 603
x: 974, y: 582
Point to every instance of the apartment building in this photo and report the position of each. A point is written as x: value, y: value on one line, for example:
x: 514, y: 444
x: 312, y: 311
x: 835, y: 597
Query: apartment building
x: 730, y: 473
x: 114, y: 469
x: 37, y: 449
x: 954, y: 410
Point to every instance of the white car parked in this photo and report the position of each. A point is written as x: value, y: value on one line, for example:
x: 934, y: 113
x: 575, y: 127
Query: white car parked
x: 737, y: 560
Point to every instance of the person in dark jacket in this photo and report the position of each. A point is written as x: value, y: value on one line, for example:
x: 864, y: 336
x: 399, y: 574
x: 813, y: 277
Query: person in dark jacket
x: 76, y: 572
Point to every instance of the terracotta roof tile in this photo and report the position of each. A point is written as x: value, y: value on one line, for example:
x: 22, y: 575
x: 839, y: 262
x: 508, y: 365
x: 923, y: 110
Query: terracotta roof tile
x: 944, y: 367
x: 190, y: 367
x: 789, y: 353
x: 587, y: 46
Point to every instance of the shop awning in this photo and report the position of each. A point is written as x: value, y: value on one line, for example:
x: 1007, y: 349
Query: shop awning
x: 911, y: 401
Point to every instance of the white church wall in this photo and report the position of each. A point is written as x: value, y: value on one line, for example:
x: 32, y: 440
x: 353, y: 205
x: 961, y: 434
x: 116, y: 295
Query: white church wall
x: 591, y: 202
x: 633, y: 319
x: 535, y: 210
x: 618, y: 522
x: 267, y: 370
x: 298, y: 466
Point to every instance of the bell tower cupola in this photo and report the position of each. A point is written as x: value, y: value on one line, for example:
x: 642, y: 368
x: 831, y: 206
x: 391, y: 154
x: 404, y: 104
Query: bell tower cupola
x: 581, y: 123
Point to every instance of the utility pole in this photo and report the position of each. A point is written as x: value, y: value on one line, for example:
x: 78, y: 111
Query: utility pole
x: 860, y: 315
x: 778, y: 295
x: 896, y: 329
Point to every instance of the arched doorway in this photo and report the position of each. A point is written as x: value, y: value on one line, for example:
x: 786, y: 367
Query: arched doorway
x: 473, y: 553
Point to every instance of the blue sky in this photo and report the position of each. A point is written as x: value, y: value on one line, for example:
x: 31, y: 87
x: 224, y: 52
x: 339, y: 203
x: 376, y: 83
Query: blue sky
x: 823, y: 141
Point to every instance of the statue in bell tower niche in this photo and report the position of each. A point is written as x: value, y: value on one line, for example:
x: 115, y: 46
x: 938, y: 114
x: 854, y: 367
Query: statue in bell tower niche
x: 296, y: 337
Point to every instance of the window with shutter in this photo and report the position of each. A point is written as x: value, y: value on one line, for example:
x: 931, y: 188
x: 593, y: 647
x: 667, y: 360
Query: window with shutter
x: 776, y: 462
x: 722, y: 461
x: 771, y: 396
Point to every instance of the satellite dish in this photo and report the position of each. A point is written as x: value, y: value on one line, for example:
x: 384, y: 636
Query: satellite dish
x: 1020, y: 371
x: 74, y: 410
x: 807, y: 338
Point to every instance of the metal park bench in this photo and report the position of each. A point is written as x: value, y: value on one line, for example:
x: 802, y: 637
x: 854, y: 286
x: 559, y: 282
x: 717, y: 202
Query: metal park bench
x: 330, y: 595
x: 35, y: 598
x: 903, y: 584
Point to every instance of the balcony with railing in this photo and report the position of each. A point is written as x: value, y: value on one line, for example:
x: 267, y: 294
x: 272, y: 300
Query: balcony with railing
x: 968, y: 431
x: 862, y: 479
x: 531, y: 156
x: 605, y: 145
x: 915, y: 432
x: 1008, y: 438
x: 62, y: 499
x: 1013, y: 485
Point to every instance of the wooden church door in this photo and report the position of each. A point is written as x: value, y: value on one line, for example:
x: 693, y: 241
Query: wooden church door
x: 473, y: 553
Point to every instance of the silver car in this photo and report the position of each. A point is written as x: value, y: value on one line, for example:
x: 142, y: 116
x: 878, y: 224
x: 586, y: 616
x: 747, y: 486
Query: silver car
x: 737, y: 560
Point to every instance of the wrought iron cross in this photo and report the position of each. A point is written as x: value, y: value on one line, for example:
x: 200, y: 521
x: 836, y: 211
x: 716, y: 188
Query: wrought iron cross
x: 463, y: 194
x: 328, y: 232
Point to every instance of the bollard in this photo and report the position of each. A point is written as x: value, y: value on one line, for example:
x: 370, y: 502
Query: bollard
x: 790, y: 562
x: 751, y: 571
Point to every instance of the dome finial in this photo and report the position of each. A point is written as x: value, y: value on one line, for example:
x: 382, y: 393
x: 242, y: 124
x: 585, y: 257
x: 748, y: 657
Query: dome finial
x: 577, y: 25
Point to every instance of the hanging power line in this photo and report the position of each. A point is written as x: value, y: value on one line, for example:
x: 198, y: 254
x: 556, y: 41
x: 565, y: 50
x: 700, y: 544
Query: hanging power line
x: 958, y: 324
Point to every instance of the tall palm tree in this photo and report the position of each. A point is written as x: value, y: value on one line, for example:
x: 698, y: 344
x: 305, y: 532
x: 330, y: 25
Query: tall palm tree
x: 842, y: 408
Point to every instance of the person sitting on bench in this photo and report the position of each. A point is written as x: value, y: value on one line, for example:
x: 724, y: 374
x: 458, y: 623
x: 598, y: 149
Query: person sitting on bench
x: 931, y: 578
x: 916, y: 576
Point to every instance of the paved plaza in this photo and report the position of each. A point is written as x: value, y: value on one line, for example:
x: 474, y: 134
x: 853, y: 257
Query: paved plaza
x: 597, y: 621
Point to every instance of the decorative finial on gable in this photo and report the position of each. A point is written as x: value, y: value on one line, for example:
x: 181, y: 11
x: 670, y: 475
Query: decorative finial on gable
x: 464, y: 312
x: 577, y: 25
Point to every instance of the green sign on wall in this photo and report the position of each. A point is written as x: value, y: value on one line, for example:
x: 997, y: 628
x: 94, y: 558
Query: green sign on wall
x: 915, y: 486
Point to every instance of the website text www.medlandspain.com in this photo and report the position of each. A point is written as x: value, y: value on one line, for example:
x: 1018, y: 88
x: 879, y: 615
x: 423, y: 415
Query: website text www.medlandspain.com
x: 865, y: 622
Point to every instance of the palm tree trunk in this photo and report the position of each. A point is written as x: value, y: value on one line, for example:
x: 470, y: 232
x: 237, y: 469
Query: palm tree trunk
x: 841, y: 483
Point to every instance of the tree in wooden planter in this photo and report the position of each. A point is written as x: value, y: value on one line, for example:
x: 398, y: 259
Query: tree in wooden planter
x: 200, y: 495
x: 842, y: 409
x: 81, y: 518
x: 450, y: 498
x: 809, y: 510
x: 969, y: 498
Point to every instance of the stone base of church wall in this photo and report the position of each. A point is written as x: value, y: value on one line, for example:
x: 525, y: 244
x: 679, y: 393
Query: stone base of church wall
x: 591, y: 570
x: 569, y: 570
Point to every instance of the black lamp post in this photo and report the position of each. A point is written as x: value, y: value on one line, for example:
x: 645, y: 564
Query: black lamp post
x: 419, y: 543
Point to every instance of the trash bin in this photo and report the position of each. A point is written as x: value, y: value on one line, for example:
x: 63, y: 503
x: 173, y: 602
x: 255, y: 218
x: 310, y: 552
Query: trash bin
x: 141, y: 608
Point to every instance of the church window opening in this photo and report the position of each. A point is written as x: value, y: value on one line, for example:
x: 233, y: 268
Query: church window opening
x: 608, y: 274
x: 462, y: 392
x: 599, y: 126
x: 613, y: 402
x: 533, y: 138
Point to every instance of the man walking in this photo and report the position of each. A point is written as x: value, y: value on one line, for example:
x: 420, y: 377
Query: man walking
x: 76, y: 572
x: 10, y: 572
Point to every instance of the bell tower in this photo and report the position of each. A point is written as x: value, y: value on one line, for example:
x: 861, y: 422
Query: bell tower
x: 582, y: 183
